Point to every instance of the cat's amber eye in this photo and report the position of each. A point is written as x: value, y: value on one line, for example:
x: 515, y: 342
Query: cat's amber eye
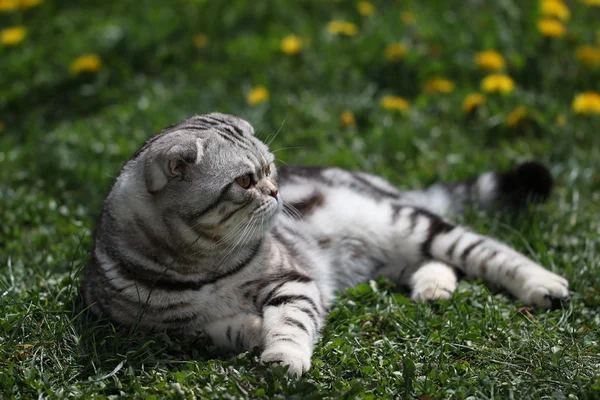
x: 268, y: 171
x: 244, y: 181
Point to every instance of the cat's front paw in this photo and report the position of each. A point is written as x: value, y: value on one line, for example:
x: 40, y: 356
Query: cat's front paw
x: 297, y: 360
x: 433, y: 281
x: 544, y: 289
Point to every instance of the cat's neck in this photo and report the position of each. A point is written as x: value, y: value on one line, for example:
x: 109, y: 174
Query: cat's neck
x: 213, y: 257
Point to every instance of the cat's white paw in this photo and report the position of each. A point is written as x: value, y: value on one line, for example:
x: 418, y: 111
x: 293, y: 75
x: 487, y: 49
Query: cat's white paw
x: 431, y: 291
x: 297, y: 360
x: 544, y: 288
x: 433, y: 281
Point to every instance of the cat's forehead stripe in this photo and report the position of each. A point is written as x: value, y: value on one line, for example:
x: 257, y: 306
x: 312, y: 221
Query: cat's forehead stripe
x: 221, y: 131
x: 231, y: 133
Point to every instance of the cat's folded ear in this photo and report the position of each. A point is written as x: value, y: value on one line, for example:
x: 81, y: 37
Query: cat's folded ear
x: 171, y: 160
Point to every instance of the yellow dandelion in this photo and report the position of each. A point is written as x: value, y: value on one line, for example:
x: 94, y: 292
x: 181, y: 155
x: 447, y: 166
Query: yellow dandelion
x: 588, y: 55
x: 561, y: 120
x: 350, y: 29
x: 395, y: 51
x: 336, y: 27
x: 347, y: 118
x: 516, y: 116
x: 592, y: 2
x: 555, y: 9
x: 439, y: 85
x: 408, y: 18
x: 86, y: 63
x: 258, y: 94
x: 472, y: 101
x: 365, y: 8
x: 200, y: 40
x: 490, y: 60
x: 9, y: 5
x: 498, y: 83
x: 395, y: 103
x: 551, y: 28
x: 13, y: 36
x: 587, y: 103
x: 291, y: 45
x: 342, y: 28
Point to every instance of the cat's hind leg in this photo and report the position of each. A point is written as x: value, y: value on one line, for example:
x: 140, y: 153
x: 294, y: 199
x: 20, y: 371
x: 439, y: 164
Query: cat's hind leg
x: 433, y: 280
x: 480, y: 256
x: 418, y: 236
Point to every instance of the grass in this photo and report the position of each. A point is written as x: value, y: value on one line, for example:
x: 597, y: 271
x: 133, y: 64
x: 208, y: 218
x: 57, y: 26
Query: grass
x: 64, y: 137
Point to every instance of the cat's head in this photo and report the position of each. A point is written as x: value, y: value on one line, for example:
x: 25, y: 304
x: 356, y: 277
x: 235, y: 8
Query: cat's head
x: 212, y: 173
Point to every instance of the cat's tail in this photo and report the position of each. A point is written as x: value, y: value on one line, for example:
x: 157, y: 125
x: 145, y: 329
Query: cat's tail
x: 529, y: 182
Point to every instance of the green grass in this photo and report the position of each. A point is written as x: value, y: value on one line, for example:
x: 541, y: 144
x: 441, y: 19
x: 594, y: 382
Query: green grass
x: 64, y: 138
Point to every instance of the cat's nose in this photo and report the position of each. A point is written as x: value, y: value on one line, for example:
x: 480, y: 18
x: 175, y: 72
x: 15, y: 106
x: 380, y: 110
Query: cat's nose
x: 274, y: 193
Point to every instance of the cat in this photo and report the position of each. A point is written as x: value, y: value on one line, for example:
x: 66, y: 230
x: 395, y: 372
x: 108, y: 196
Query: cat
x: 202, y: 232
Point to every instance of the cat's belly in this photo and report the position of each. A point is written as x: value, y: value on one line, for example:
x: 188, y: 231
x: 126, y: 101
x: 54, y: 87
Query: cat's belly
x: 353, y: 231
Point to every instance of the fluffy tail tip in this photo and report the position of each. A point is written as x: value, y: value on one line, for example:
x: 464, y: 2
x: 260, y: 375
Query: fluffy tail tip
x: 528, y: 182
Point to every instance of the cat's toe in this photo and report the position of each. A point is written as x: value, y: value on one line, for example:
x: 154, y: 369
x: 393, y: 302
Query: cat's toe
x: 556, y: 302
x: 298, y: 361
x: 431, y: 292
x: 546, y: 289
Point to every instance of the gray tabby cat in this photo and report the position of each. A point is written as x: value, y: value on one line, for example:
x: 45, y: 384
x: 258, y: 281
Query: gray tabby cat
x: 192, y: 237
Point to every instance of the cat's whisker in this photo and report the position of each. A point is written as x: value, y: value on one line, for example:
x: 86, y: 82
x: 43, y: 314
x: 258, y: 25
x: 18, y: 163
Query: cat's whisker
x: 291, y: 215
x: 286, y: 148
x: 235, y: 230
x: 228, y: 236
x: 292, y: 211
x: 241, y: 240
x: 266, y: 141
x: 293, y: 228
x: 270, y: 139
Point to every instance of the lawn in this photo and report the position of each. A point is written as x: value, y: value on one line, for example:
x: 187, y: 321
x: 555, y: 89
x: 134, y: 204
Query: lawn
x: 380, y: 87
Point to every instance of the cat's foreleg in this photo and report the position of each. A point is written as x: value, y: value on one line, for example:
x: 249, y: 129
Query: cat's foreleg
x: 238, y: 332
x: 293, y: 313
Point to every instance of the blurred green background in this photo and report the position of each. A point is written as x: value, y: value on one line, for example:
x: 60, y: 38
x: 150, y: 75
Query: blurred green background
x: 415, y: 91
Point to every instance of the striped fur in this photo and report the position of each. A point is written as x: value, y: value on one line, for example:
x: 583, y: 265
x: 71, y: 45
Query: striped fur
x: 182, y: 246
